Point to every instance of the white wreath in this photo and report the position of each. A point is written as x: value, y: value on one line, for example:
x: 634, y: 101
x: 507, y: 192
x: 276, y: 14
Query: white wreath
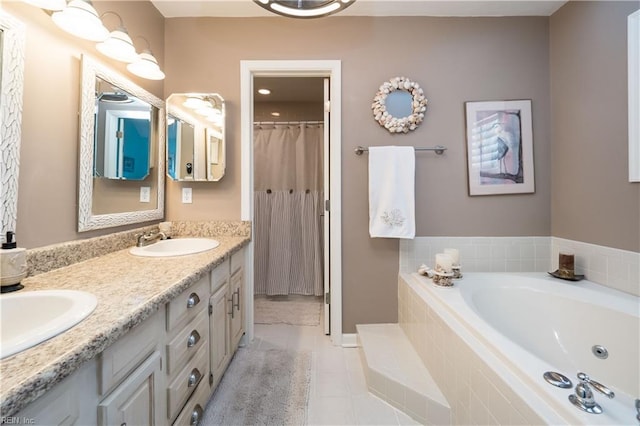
x: 399, y: 124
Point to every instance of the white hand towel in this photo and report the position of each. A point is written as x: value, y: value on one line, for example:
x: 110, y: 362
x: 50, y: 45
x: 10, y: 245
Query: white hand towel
x: 392, y: 192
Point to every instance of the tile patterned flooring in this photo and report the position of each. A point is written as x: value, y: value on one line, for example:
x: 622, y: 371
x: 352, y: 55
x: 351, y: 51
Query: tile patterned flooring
x: 338, y: 394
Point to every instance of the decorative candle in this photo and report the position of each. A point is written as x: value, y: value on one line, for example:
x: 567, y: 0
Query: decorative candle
x: 443, y: 262
x: 566, y: 264
x: 455, y: 255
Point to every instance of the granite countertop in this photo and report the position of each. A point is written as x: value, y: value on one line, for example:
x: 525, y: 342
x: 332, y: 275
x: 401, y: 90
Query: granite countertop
x: 129, y: 289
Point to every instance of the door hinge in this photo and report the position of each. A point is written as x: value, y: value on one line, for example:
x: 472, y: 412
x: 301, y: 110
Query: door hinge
x: 210, y: 379
x: 210, y: 309
x: 327, y: 106
x: 327, y: 298
x: 327, y: 205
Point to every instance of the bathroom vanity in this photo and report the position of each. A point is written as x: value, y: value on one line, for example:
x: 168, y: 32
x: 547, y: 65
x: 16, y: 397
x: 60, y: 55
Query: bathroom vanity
x: 152, y: 352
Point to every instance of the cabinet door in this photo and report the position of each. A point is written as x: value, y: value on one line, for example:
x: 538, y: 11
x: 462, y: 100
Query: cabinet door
x: 219, y: 332
x: 137, y: 401
x: 237, y: 316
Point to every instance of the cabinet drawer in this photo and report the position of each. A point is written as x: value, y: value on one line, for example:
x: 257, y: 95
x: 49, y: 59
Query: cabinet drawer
x: 219, y: 275
x: 118, y: 360
x: 237, y: 261
x: 187, y: 341
x: 187, y: 305
x: 194, y: 408
x: 186, y: 381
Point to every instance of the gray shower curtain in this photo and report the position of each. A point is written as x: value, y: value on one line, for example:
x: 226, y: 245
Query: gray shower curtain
x: 288, y: 202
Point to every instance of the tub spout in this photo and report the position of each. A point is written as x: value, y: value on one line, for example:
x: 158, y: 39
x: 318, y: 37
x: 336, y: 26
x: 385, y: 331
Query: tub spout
x: 583, y: 397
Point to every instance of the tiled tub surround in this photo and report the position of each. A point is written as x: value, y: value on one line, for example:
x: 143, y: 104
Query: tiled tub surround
x: 484, y: 376
x: 618, y: 269
x: 129, y: 290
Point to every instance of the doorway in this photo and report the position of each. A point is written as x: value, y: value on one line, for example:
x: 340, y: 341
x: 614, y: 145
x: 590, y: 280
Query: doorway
x: 330, y: 70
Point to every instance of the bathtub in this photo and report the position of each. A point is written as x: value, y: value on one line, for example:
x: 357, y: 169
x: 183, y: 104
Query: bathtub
x: 520, y: 326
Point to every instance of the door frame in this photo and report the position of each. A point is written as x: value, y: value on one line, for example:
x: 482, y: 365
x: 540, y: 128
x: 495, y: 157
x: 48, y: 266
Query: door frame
x: 294, y: 68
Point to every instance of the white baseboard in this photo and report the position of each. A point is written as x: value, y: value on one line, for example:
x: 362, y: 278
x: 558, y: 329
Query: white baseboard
x: 349, y: 340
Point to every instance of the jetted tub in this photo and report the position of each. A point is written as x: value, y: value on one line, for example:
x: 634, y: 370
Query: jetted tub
x: 535, y: 323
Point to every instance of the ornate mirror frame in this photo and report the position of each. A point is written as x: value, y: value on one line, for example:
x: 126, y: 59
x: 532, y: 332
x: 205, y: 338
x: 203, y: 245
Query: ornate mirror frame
x: 13, y: 48
x: 399, y: 124
x: 86, y: 219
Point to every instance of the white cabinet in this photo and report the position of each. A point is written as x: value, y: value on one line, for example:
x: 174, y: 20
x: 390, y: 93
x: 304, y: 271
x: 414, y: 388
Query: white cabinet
x: 71, y: 402
x: 236, y: 294
x: 137, y: 400
x: 219, y: 333
x: 187, y: 347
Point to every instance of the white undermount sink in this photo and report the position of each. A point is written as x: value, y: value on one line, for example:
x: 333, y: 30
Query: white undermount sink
x: 175, y: 247
x: 31, y: 317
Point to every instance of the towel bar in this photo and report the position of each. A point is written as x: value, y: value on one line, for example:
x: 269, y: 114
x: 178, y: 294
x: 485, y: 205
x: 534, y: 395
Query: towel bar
x: 439, y: 149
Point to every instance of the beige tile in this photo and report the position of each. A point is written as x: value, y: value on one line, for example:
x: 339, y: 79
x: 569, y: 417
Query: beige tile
x: 330, y: 411
x: 370, y: 410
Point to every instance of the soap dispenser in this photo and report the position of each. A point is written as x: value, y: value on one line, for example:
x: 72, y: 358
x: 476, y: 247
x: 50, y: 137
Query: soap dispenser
x: 13, y: 264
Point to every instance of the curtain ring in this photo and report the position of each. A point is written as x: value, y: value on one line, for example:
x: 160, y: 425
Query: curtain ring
x: 268, y: 191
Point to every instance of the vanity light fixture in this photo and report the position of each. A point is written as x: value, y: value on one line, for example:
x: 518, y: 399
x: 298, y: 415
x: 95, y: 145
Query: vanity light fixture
x: 146, y: 65
x: 195, y: 102
x: 80, y: 19
x: 118, y: 45
x: 304, y: 8
x: 47, y: 4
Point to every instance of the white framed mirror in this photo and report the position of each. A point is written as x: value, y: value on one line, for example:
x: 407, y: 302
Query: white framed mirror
x: 12, y: 50
x: 195, y: 137
x: 112, y: 189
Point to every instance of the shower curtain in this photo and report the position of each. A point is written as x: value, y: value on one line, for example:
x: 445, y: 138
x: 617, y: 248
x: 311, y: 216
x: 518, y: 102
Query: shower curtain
x: 288, y: 202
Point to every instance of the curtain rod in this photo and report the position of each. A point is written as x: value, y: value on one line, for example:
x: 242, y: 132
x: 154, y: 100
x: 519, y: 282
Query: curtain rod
x: 439, y: 149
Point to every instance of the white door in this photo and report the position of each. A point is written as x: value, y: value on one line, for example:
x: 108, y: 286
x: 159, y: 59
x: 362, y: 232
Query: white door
x: 327, y: 212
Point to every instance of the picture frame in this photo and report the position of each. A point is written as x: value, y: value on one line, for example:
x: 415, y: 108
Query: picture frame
x: 499, y: 139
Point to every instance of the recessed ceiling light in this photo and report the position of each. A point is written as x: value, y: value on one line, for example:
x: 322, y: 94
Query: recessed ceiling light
x: 275, y: 114
x: 264, y: 91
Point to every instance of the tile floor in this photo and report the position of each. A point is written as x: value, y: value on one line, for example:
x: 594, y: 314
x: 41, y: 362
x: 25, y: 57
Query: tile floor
x: 338, y: 394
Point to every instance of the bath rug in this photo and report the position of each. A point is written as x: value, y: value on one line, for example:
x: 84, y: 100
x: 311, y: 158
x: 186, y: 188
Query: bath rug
x: 262, y: 387
x: 291, y: 312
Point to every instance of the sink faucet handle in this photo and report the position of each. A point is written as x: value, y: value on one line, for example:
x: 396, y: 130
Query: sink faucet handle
x: 584, y: 378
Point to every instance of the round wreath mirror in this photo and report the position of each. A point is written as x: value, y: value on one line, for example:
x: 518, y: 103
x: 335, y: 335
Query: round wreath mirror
x: 399, y: 105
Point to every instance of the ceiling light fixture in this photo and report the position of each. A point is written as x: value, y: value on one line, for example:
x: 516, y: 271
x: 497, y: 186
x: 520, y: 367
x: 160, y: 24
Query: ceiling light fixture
x: 264, y: 91
x: 304, y: 8
x: 146, y: 65
x: 118, y: 45
x: 81, y: 19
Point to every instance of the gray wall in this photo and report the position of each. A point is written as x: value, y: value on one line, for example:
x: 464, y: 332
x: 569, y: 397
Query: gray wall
x: 454, y: 59
x: 592, y: 200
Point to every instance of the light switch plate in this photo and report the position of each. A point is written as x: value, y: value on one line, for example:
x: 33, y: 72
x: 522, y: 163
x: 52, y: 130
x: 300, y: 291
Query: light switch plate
x: 145, y: 194
x: 187, y: 196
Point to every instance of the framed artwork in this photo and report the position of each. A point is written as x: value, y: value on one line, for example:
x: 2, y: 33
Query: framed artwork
x: 499, y: 147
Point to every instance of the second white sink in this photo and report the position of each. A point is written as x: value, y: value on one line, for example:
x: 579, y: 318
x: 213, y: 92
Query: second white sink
x: 175, y: 247
x: 31, y: 317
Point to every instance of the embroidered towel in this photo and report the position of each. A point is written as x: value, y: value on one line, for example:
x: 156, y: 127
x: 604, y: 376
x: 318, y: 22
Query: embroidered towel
x: 392, y: 192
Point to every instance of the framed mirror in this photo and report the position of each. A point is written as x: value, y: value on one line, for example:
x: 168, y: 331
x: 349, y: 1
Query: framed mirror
x: 399, y: 105
x: 195, y: 137
x: 12, y: 48
x: 122, y: 134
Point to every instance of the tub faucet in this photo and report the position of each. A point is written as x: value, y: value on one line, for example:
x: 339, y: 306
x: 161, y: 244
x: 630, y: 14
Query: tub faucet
x: 583, y: 398
x: 144, y: 239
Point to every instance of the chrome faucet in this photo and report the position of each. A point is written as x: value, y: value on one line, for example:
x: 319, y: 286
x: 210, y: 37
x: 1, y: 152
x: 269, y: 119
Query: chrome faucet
x: 145, y: 239
x: 583, y: 398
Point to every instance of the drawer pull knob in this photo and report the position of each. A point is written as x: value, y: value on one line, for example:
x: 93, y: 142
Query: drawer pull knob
x: 194, y: 377
x: 196, y: 415
x: 193, y: 339
x: 193, y: 300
